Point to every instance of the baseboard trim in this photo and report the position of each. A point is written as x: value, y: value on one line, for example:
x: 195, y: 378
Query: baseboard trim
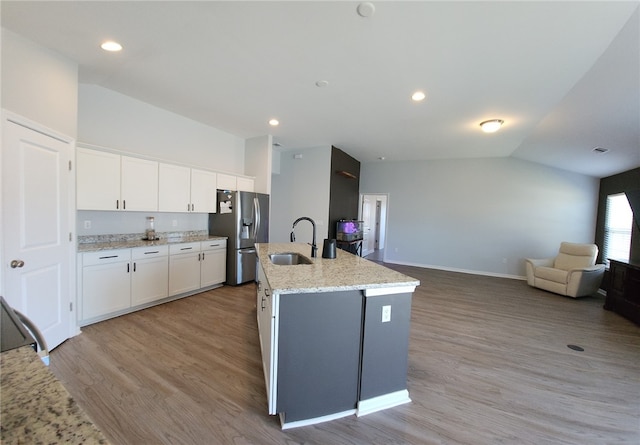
x: 454, y: 269
x: 306, y: 422
x: 382, y: 402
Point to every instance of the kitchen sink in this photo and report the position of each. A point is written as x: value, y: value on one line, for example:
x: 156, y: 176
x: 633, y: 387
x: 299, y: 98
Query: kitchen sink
x: 289, y: 259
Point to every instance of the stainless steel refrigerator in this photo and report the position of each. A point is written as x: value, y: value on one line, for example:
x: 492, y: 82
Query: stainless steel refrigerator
x: 244, y: 218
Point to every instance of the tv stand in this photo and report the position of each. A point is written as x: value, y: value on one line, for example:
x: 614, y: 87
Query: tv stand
x: 623, y: 294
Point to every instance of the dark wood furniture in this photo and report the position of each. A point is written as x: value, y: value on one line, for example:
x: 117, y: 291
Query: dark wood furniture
x: 623, y: 295
x: 353, y: 246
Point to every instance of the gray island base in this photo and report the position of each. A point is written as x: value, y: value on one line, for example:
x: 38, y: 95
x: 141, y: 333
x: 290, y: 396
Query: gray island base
x: 334, y: 335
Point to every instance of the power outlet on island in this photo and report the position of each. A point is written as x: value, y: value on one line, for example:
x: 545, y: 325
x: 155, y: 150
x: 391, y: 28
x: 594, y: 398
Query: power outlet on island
x: 386, y: 313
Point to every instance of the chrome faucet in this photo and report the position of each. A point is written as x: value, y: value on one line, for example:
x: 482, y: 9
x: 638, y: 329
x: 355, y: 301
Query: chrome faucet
x: 314, y: 248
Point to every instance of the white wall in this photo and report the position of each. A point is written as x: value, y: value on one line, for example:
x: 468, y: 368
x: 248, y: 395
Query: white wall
x: 110, y: 119
x: 301, y: 189
x: 480, y: 215
x: 258, y: 162
x: 39, y: 84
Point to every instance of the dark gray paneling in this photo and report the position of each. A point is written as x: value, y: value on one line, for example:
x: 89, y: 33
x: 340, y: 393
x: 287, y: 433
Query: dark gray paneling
x: 344, y: 191
x: 319, y: 353
x: 385, y: 346
x: 624, y: 182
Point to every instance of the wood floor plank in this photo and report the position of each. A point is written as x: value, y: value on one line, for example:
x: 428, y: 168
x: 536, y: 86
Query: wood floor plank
x: 488, y: 363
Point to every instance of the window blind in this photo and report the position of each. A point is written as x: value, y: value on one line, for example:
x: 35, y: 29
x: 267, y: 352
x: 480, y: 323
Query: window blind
x: 617, y: 228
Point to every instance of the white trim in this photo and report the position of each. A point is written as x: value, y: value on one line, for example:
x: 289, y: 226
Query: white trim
x: 382, y: 402
x: 388, y: 291
x: 454, y: 269
x: 307, y: 422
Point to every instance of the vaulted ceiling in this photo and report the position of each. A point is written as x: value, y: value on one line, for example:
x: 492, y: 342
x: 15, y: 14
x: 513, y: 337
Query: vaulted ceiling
x: 564, y: 76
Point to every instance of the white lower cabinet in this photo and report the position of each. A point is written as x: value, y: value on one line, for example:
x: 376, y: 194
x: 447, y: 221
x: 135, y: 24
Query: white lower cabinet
x: 149, y: 274
x: 213, y: 264
x: 197, y: 265
x: 184, y: 268
x: 115, y: 282
x: 266, y: 329
x: 106, y: 282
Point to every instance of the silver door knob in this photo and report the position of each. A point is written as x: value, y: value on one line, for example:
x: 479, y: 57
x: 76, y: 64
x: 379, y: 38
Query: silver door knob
x: 16, y: 263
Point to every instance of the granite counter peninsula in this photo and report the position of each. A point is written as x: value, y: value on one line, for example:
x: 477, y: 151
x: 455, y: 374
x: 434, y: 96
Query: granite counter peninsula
x: 334, y: 335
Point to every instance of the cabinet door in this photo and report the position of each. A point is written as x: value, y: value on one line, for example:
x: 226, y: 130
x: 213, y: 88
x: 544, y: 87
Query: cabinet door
x: 203, y: 191
x: 213, y: 267
x: 245, y: 184
x: 184, y: 273
x: 227, y: 182
x: 266, y: 329
x: 97, y: 180
x: 174, y: 194
x: 150, y: 277
x: 139, y: 184
x: 105, y: 289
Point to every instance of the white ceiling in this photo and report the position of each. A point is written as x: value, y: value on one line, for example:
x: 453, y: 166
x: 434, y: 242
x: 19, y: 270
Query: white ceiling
x: 564, y: 76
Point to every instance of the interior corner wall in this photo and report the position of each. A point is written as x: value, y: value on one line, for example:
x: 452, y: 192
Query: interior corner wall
x: 301, y: 189
x: 481, y: 215
x: 113, y: 120
x: 258, y: 160
x: 39, y: 84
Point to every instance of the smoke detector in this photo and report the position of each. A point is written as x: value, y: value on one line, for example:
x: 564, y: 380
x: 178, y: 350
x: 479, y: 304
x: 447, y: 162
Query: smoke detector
x: 366, y: 9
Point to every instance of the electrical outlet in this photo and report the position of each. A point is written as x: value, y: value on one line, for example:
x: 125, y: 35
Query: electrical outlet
x: 174, y: 223
x: 87, y: 224
x: 386, y: 313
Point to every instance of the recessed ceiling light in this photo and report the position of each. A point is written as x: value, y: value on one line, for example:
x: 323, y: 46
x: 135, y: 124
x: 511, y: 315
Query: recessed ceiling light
x: 112, y: 46
x: 381, y: 158
x: 600, y: 150
x: 418, y: 96
x: 274, y: 122
x: 491, y: 126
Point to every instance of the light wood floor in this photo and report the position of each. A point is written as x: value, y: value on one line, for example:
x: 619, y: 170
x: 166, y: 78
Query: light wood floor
x: 488, y: 364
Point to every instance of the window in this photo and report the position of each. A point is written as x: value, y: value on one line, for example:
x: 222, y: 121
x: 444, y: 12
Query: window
x: 617, y: 228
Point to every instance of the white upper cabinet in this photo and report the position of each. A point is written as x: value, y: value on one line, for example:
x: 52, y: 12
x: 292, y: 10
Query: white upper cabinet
x: 138, y: 184
x: 182, y: 189
x: 174, y: 188
x: 245, y: 184
x: 98, y: 180
x: 108, y: 181
x: 203, y: 191
x: 227, y: 182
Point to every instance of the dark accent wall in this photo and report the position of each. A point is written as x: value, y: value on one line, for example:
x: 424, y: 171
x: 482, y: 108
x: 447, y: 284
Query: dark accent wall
x: 344, y: 188
x: 628, y: 181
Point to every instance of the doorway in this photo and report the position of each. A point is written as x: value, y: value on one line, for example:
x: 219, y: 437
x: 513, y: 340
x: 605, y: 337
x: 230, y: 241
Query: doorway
x: 373, y: 213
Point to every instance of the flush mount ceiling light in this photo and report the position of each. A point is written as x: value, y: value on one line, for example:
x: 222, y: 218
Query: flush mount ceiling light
x: 491, y: 126
x: 274, y: 122
x: 366, y: 9
x: 111, y: 46
x: 418, y: 96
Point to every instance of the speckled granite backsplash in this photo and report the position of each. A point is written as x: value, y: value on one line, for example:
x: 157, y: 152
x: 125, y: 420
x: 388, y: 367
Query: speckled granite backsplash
x: 126, y: 237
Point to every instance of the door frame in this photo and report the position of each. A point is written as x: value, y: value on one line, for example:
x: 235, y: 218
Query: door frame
x: 9, y: 116
x: 384, y: 212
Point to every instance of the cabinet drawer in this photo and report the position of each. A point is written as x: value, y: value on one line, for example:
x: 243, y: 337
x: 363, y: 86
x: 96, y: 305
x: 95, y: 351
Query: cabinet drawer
x: 215, y: 244
x: 140, y: 253
x: 105, y: 257
x: 175, y: 249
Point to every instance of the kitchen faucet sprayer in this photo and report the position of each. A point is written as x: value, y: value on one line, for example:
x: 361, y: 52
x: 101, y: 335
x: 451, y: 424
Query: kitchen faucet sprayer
x: 314, y: 248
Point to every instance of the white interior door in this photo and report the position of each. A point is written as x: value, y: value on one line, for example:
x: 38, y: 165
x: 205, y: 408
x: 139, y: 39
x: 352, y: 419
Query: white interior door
x: 368, y: 218
x: 37, y: 247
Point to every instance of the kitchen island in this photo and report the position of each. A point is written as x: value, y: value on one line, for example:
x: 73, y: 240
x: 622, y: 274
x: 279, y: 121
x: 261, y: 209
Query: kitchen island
x: 334, y: 335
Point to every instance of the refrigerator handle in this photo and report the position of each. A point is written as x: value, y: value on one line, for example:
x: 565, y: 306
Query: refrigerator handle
x: 256, y: 227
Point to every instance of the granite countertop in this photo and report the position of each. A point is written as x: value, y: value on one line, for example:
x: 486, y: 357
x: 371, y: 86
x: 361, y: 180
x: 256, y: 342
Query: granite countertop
x: 36, y: 408
x: 127, y: 242
x: 345, y: 272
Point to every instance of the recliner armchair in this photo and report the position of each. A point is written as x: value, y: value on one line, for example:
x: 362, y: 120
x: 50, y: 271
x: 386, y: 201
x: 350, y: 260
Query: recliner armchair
x: 573, y: 272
